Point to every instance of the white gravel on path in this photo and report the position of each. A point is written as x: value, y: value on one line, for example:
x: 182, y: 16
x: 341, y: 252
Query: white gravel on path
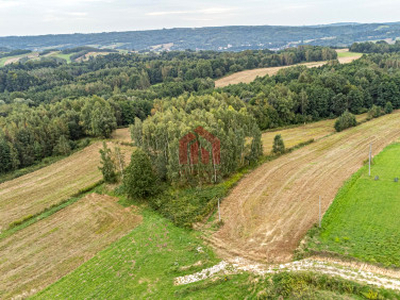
x: 239, y: 265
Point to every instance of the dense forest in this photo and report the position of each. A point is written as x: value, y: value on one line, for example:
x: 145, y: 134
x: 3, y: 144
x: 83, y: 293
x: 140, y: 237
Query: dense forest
x: 56, y: 106
x: 46, y: 106
x: 296, y: 95
x: 229, y: 38
x: 169, y: 73
x: 378, y: 47
x: 224, y: 117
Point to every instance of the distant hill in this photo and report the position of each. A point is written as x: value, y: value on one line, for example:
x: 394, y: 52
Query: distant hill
x: 233, y: 38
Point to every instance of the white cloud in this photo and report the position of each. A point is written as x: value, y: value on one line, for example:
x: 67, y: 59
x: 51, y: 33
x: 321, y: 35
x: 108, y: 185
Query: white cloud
x: 206, y: 11
x: 28, y: 17
x: 166, y: 13
x: 8, y: 3
x: 58, y: 16
x: 77, y: 14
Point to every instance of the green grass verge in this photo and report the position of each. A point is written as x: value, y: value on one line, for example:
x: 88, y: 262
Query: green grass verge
x: 363, y: 222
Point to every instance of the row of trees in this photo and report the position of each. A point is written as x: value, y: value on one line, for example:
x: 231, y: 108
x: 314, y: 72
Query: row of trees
x: 378, y: 47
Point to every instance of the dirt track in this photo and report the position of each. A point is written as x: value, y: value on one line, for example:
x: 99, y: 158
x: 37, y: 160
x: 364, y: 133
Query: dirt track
x: 42, y: 253
x: 272, y: 208
x: 34, y: 192
x: 250, y: 75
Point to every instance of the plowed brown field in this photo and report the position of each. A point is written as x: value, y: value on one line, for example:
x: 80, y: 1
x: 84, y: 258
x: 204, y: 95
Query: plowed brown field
x: 271, y: 209
x: 36, y: 191
x: 42, y: 253
x: 250, y: 75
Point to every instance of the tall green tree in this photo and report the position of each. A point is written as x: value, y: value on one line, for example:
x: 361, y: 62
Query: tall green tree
x: 140, y: 180
x: 98, y: 118
x: 108, y: 167
x: 63, y: 147
x: 278, y: 146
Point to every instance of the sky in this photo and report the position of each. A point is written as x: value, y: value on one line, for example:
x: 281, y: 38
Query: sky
x: 37, y: 17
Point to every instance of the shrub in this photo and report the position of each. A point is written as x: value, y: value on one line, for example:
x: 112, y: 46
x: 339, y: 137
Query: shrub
x: 279, y: 145
x: 346, y: 120
x: 388, y: 108
x: 139, y: 179
x: 108, y: 167
x: 375, y: 112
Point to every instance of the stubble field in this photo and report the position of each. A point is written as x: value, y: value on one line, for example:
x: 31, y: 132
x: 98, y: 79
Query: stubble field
x: 301, y: 134
x: 271, y: 209
x: 250, y: 75
x: 42, y: 253
x: 33, y: 193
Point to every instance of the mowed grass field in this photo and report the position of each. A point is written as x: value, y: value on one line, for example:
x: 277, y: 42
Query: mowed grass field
x: 344, y: 56
x: 42, y: 253
x: 364, y: 220
x: 272, y: 208
x: 33, y: 193
x: 301, y: 134
x: 141, y: 265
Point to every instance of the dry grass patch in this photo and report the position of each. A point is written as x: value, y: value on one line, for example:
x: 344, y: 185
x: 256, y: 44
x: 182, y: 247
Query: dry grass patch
x: 42, y: 253
x: 122, y: 135
x: 33, y: 193
x: 250, y: 75
x: 272, y: 208
x: 301, y: 134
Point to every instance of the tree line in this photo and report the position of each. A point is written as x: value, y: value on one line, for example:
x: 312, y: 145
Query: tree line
x: 378, y: 47
x: 29, y: 134
x: 48, y: 80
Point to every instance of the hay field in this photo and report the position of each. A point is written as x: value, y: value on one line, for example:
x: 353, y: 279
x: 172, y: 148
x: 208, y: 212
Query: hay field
x: 42, y: 253
x: 301, y: 134
x: 32, y: 193
x: 250, y: 75
x: 271, y: 209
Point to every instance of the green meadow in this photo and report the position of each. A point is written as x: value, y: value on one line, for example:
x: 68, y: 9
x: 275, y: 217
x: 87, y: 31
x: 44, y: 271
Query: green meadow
x: 348, y: 54
x: 364, y: 220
